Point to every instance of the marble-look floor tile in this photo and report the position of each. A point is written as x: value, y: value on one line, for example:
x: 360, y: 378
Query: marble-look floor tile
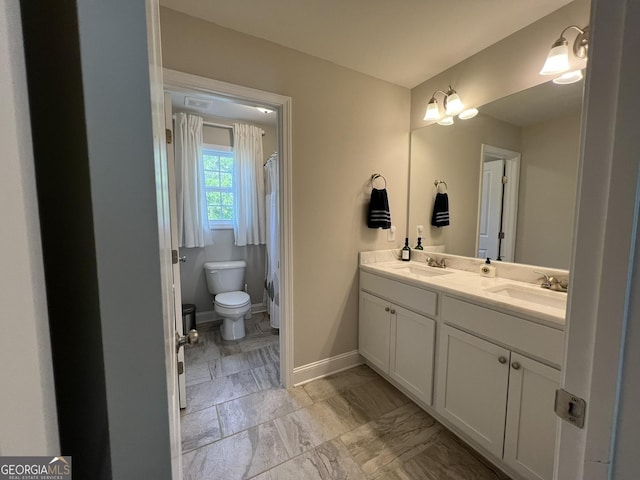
x: 237, y: 457
x: 201, y: 353
x: 447, y: 459
x: 228, y: 365
x: 245, y: 412
x: 318, y: 423
x: 339, y: 382
x: 374, y: 399
x: 197, y: 373
x: 328, y: 462
x: 381, y: 445
x: 220, y: 390
x: 251, y: 343
x: 199, y: 428
x: 267, y: 376
x: 263, y: 356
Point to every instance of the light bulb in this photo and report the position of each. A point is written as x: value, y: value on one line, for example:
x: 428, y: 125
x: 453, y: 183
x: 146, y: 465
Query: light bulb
x: 569, y: 77
x: 558, y: 58
x: 433, y: 112
x: 453, y: 104
x: 467, y: 114
x: 446, y: 121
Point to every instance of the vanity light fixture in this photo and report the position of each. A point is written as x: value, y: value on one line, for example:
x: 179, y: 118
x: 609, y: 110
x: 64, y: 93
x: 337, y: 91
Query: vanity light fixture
x: 558, y: 57
x: 452, y: 106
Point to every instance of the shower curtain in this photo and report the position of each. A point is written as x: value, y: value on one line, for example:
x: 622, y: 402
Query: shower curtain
x: 273, y: 240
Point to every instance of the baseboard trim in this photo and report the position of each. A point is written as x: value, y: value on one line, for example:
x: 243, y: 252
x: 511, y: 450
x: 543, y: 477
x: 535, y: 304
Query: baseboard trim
x: 325, y: 367
x: 204, y: 318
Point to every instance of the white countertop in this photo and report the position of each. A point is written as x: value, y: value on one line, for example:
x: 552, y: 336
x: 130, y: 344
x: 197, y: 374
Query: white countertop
x: 474, y: 287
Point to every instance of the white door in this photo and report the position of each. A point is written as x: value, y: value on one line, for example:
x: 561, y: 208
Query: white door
x: 374, y: 330
x: 412, y: 353
x: 490, y: 209
x: 177, y: 292
x: 473, y: 376
x: 164, y: 232
x: 530, y: 438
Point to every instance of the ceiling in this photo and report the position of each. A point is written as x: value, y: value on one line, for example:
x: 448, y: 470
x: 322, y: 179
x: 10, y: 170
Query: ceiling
x: 404, y: 42
x: 213, y: 106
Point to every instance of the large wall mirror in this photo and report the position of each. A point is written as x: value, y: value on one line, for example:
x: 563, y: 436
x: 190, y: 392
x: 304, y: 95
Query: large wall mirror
x: 529, y: 140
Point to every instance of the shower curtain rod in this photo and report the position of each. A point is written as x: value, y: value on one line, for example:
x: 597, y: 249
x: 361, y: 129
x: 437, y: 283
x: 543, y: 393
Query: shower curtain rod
x: 219, y: 125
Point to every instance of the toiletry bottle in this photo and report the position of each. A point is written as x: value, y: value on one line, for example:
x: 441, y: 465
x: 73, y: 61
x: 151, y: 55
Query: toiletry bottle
x: 419, y: 245
x: 406, y: 251
x: 487, y: 270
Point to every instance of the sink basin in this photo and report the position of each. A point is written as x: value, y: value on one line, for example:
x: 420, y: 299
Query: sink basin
x: 540, y: 297
x: 420, y: 271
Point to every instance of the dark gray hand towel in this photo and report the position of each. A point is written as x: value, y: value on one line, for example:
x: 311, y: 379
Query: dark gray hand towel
x: 440, y: 217
x: 379, y: 214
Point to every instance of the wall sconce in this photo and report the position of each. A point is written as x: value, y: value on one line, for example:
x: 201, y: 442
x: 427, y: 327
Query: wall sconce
x: 558, y: 59
x: 452, y: 106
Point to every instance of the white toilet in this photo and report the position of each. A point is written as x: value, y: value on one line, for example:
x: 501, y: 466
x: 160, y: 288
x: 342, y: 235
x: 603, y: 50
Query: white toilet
x: 225, y: 280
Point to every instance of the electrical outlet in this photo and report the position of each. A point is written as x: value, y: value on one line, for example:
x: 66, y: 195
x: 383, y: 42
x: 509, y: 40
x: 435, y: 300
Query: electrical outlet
x: 391, y: 234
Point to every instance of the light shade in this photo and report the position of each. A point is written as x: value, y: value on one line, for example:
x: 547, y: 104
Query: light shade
x: 569, y: 77
x: 446, y: 121
x: 453, y: 104
x: 433, y: 112
x: 558, y: 58
x: 468, y: 113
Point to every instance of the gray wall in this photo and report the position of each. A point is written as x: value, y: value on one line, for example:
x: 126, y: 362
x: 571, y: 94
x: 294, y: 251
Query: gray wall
x: 192, y: 278
x: 346, y: 126
x: 28, y: 411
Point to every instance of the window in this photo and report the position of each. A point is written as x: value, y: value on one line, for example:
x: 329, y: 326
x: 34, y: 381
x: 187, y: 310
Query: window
x: 219, y: 183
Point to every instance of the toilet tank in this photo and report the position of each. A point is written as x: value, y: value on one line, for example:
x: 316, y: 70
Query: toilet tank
x: 225, y: 276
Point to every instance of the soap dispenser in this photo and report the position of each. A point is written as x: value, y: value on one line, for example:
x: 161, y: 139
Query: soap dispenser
x: 487, y: 270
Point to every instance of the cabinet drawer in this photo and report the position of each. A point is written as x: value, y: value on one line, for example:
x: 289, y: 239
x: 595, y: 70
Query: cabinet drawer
x: 413, y: 298
x: 537, y: 340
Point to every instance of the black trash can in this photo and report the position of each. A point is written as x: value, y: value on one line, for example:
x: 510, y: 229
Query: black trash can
x: 188, y: 317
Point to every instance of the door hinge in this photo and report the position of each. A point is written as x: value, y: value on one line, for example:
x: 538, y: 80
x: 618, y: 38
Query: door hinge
x: 570, y: 408
x: 501, y: 235
x: 180, y: 368
x: 174, y: 256
x: 505, y: 180
x: 169, y: 136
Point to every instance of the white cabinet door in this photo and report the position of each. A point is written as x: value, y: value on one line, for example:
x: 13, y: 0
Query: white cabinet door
x: 412, y: 350
x: 374, y: 330
x: 473, y: 377
x: 531, y: 421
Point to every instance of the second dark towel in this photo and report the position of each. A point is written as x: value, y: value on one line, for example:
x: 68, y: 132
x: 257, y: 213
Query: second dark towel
x: 440, y: 217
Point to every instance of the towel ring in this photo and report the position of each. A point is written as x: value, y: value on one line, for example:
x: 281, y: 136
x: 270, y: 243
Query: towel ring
x: 437, y: 185
x: 375, y: 176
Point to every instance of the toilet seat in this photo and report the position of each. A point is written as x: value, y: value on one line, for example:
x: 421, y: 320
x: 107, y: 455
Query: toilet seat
x: 232, y: 299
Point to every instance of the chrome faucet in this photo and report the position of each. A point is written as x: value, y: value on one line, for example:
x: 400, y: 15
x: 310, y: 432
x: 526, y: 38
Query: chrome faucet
x: 552, y: 283
x: 434, y: 262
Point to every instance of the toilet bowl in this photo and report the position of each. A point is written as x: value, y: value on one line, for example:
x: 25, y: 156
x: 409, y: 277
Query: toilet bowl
x: 232, y: 307
x: 225, y: 281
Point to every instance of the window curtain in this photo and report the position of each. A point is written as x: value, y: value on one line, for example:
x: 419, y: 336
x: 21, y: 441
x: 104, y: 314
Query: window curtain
x: 249, y: 226
x: 193, y: 224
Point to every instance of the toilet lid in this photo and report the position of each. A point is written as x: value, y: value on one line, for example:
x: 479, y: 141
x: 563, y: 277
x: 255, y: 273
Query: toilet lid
x: 232, y: 299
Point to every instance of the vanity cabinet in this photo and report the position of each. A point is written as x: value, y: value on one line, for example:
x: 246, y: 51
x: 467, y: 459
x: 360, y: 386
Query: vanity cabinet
x: 398, y: 341
x: 501, y: 399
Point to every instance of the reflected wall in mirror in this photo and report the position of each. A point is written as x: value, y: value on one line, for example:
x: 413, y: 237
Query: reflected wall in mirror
x: 542, y: 124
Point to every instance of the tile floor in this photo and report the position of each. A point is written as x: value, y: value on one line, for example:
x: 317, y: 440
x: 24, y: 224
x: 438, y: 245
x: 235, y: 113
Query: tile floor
x: 241, y: 424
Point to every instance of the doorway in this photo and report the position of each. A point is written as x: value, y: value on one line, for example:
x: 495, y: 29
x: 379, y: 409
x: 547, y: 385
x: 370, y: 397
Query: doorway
x: 186, y: 84
x: 498, y: 203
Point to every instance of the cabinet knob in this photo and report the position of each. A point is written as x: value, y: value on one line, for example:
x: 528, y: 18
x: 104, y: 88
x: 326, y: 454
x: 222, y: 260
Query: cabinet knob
x: 502, y: 359
x: 393, y: 311
x: 386, y: 309
x: 515, y: 366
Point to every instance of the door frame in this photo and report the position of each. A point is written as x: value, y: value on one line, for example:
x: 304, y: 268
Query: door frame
x: 185, y: 82
x: 510, y: 200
